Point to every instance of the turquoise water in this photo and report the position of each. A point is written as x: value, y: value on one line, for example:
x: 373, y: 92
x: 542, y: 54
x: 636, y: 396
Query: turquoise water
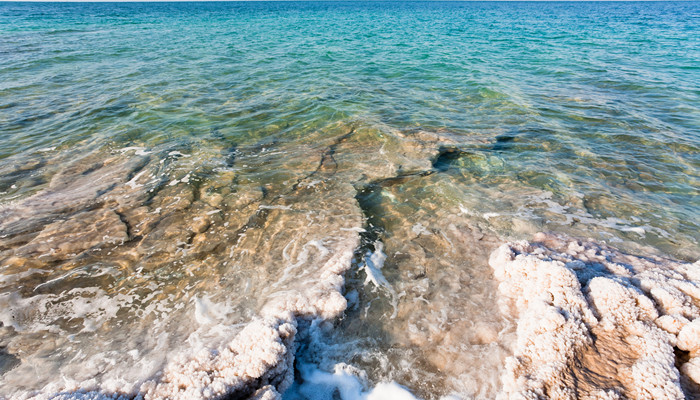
x: 161, y: 147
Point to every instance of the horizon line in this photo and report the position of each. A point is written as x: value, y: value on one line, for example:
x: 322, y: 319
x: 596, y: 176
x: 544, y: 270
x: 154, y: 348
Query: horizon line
x: 349, y: 1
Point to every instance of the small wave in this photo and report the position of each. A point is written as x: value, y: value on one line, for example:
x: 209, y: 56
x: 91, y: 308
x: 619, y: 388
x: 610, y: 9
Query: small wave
x: 64, y: 31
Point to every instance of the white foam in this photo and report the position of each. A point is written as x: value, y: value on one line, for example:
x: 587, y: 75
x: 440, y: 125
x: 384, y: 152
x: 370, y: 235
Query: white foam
x: 132, y: 183
x: 301, y: 259
x: 354, y: 229
x: 570, y: 216
x: 490, y: 215
x: 374, y: 262
x: 465, y: 210
x: 139, y: 151
x: 91, y: 305
x: 419, y: 229
x: 636, y: 229
x: 268, y: 207
x: 348, y: 382
x: 207, y: 312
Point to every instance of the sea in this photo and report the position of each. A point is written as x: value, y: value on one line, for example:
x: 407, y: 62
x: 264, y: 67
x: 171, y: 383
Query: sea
x: 350, y: 200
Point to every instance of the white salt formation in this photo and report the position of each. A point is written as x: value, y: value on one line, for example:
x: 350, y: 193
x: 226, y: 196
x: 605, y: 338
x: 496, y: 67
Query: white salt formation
x: 596, y: 323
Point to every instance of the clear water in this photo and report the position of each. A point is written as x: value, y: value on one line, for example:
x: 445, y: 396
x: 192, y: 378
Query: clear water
x: 166, y: 169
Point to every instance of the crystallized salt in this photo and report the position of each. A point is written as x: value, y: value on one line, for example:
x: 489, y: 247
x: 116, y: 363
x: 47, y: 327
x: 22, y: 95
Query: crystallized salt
x: 594, y: 322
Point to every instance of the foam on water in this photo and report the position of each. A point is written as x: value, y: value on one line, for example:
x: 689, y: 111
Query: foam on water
x: 374, y: 261
x: 345, y: 381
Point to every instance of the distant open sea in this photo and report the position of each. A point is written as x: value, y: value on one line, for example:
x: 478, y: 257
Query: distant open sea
x: 343, y: 200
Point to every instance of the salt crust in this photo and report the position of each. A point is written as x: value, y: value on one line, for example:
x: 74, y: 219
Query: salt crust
x: 595, y: 323
x: 257, y: 363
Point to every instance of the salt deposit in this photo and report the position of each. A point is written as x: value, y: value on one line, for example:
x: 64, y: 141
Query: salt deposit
x: 594, y: 322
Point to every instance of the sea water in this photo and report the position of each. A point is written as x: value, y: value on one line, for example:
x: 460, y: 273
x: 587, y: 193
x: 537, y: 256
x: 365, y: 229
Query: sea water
x: 302, y: 199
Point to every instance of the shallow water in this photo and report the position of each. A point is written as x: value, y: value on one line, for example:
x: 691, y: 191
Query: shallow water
x: 175, y: 176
